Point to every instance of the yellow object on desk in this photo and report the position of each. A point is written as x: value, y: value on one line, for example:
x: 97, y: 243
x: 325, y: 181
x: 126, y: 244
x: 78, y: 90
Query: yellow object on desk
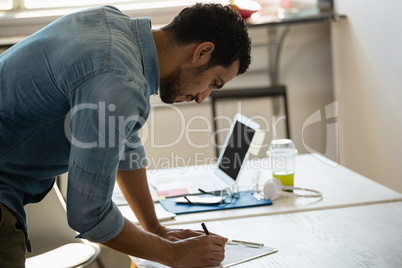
x: 285, y: 179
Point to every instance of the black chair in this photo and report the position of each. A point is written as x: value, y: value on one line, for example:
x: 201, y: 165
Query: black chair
x: 271, y: 91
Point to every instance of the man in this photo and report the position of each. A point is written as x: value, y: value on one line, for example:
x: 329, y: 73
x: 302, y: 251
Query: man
x: 73, y: 97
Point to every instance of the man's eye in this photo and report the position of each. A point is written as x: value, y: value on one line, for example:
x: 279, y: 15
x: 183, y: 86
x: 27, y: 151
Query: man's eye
x: 215, y: 85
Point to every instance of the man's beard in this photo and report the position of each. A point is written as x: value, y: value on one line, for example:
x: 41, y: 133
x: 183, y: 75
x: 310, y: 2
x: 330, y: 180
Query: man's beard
x: 169, y: 88
x: 173, y: 86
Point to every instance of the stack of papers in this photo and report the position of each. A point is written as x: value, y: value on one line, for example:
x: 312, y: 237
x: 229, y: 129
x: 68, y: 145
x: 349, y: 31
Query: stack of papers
x: 125, y: 209
x: 161, y: 214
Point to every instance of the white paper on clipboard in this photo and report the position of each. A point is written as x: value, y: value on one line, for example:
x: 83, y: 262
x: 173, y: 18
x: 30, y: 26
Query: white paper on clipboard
x: 234, y: 254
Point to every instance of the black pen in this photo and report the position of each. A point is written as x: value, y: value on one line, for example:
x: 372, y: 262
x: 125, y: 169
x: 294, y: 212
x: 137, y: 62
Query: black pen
x: 205, y: 228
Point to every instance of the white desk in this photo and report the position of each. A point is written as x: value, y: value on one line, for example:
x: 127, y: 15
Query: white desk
x: 362, y: 236
x: 340, y: 187
x: 356, y: 223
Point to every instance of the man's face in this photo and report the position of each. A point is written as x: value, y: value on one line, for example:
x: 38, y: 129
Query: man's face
x: 191, y: 83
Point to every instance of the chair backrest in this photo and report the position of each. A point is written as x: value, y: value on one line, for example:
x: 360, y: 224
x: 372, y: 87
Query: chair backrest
x: 47, y: 224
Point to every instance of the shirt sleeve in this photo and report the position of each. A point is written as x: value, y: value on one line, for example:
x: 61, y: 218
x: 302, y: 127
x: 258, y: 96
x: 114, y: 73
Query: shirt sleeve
x: 107, y: 112
x: 134, y: 156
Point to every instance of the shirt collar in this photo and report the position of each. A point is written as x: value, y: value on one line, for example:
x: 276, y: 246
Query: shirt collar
x: 149, y: 53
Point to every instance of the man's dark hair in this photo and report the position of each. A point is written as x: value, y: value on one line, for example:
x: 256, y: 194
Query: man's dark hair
x: 218, y: 24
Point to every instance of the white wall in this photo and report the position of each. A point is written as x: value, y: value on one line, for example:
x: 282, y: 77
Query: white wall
x: 367, y: 62
x: 306, y: 69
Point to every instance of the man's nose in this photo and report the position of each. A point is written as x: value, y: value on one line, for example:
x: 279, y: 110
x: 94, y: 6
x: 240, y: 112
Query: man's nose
x: 200, y: 97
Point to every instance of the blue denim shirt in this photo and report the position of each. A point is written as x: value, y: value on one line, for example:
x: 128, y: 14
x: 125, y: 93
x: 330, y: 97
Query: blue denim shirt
x: 73, y: 97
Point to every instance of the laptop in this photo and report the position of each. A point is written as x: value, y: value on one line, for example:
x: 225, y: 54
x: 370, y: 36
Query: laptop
x: 231, y: 160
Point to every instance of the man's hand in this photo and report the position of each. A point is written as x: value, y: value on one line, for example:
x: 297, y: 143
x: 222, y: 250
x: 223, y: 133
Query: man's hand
x: 193, y: 248
x: 173, y: 247
x: 199, y: 251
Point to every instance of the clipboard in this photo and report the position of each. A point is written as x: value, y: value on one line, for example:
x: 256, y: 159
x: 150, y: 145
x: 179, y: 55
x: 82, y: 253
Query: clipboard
x: 236, y: 252
x: 246, y: 200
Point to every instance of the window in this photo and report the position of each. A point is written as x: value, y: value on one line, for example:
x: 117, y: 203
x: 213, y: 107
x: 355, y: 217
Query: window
x: 16, y: 5
x: 6, y: 4
x: 29, y: 4
x: 21, y: 18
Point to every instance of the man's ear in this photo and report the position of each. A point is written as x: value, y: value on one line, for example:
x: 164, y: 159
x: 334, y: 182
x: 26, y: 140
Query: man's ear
x: 203, y: 52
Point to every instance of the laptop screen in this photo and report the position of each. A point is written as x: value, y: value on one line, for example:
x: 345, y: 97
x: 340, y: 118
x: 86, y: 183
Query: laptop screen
x: 236, y: 149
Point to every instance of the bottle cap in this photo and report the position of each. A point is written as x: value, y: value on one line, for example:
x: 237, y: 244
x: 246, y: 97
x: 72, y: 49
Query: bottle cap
x: 282, y: 146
